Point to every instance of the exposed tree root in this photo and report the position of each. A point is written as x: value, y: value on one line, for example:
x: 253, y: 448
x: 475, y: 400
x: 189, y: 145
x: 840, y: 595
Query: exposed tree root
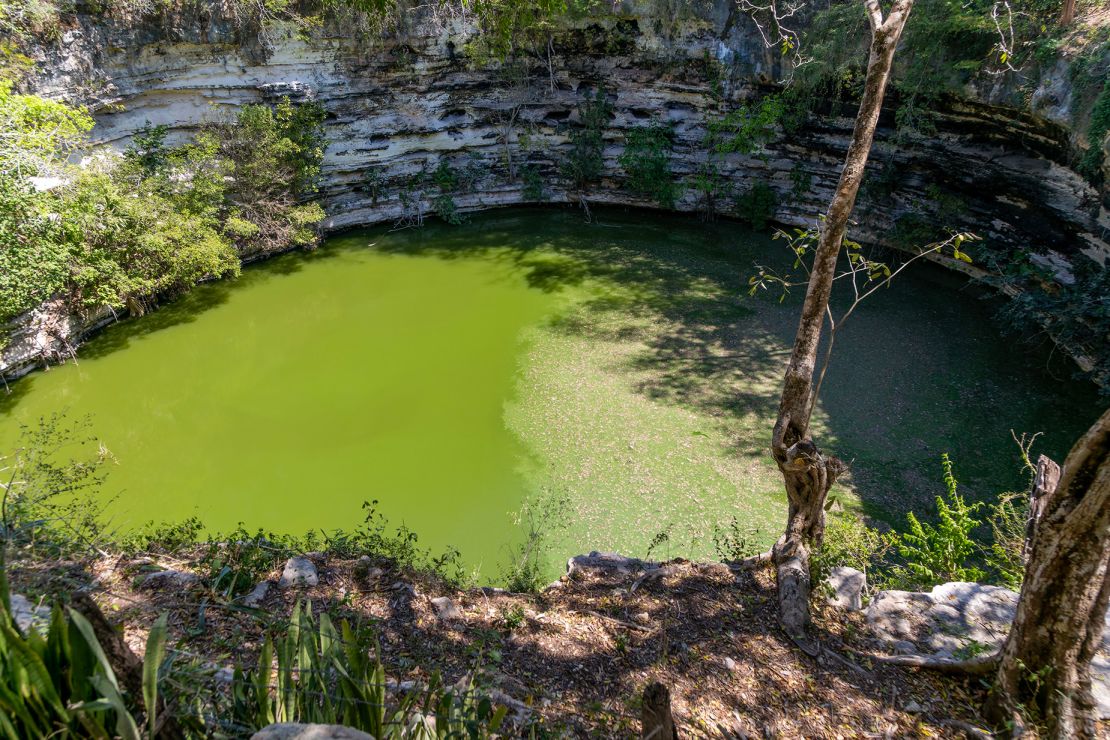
x: 972, y: 666
x: 755, y: 561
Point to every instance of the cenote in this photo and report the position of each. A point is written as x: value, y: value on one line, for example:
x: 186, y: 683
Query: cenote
x: 614, y: 378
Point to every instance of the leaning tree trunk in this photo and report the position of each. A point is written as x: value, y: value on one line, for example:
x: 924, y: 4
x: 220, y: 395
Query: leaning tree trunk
x: 809, y: 474
x: 1046, y: 661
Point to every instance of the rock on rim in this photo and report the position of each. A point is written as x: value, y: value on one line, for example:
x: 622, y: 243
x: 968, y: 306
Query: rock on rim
x: 298, y: 571
x: 446, y: 609
x: 960, y: 619
x: 295, y: 731
x: 848, y: 585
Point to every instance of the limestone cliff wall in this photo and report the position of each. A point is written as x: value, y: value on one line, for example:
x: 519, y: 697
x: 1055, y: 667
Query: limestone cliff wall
x: 399, y: 105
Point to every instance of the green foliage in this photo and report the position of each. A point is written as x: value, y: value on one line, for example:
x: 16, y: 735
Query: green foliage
x: 125, y: 233
x: 61, y: 684
x: 715, y: 74
x: 447, y: 179
x: 1076, y: 315
x: 508, y: 26
x: 1090, y: 164
x: 533, y: 183
x: 850, y: 542
x: 585, y: 161
x: 275, y: 155
x: 747, y: 128
x: 33, y: 253
x: 128, y: 246
x: 732, y: 542
x: 319, y: 673
x: 757, y: 205
x: 646, y: 159
x: 926, y: 553
x: 38, y: 133
x: 801, y: 182
x: 24, y: 19
x: 512, y: 619
x: 944, y: 45
x: 52, y: 479
x: 239, y: 560
x: 937, y: 553
x: 711, y: 186
x: 541, y: 521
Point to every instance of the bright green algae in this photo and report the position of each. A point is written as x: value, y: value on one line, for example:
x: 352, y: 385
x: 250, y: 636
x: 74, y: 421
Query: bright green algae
x: 453, y: 373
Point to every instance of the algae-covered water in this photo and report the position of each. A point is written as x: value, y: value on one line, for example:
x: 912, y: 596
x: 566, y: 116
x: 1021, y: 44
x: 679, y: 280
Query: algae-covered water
x: 613, y: 375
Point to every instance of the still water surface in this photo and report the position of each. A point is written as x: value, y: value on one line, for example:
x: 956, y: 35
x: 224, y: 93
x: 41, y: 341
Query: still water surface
x: 453, y: 373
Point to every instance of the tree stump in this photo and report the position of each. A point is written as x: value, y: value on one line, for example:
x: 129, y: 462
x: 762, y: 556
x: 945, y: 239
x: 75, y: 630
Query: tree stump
x: 655, y: 712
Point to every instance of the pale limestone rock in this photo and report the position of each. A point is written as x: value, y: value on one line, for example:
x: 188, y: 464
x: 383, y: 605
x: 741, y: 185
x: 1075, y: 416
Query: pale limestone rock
x: 298, y: 571
x: 255, y: 597
x: 848, y: 585
x: 962, y: 617
x: 294, y: 731
x: 28, y: 615
x: 446, y: 610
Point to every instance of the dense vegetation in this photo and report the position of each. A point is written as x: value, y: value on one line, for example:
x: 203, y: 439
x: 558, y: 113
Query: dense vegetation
x: 123, y: 232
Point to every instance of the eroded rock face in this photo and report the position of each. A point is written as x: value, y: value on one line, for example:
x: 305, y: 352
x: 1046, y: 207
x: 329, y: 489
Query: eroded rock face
x: 962, y: 620
x: 398, y: 106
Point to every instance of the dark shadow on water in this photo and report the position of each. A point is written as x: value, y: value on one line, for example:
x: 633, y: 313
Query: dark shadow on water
x: 919, y: 370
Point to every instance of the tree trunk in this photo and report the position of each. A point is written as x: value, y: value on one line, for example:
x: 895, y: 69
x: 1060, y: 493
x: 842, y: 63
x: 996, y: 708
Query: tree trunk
x: 655, y: 714
x: 1067, y: 13
x: 1045, y: 481
x: 127, y: 666
x: 807, y: 473
x: 1044, y: 672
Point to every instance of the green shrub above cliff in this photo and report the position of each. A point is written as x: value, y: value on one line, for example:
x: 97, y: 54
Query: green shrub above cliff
x: 121, y: 232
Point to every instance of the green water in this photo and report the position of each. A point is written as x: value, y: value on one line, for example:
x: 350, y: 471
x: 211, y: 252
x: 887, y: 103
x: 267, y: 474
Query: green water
x: 453, y: 373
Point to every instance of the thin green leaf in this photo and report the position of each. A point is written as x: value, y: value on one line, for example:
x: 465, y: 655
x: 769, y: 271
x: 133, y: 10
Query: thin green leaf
x: 152, y: 661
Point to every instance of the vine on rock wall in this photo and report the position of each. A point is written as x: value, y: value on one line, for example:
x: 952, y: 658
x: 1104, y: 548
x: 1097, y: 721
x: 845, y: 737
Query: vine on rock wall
x: 646, y: 159
x: 585, y: 161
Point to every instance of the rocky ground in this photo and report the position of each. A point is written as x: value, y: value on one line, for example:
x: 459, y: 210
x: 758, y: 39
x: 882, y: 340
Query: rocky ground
x: 573, y: 659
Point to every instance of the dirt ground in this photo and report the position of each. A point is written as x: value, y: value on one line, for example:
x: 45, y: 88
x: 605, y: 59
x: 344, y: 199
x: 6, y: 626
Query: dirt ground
x: 574, y: 659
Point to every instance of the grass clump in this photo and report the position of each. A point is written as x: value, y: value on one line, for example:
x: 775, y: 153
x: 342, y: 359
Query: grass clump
x: 318, y: 672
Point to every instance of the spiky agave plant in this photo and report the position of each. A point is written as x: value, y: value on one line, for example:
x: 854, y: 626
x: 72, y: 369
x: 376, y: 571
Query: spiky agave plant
x: 61, y: 685
x: 318, y: 673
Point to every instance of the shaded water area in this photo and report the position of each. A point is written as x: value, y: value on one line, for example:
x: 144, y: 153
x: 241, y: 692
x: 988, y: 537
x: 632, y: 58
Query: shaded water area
x: 613, y: 376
